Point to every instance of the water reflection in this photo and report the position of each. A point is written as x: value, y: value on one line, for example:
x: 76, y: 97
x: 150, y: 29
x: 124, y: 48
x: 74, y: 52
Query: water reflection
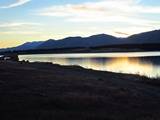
x: 134, y: 66
x: 148, y: 66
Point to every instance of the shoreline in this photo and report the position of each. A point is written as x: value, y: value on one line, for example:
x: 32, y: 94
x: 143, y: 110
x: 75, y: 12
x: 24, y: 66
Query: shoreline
x: 98, y: 49
x: 50, y: 91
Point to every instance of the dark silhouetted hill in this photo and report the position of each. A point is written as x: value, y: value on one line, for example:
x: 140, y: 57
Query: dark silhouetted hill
x: 96, y: 40
x: 102, y: 40
x: 146, y: 37
x: 25, y: 46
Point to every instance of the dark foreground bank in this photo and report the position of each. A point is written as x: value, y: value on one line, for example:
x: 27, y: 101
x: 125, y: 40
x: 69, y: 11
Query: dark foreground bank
x: 43, y: 91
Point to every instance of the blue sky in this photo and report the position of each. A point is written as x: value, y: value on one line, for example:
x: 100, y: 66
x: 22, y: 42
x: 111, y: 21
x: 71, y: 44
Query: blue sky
x: 34, y: 20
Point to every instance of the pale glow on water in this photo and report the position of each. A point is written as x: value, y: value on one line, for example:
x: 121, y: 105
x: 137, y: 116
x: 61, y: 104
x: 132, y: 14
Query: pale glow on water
x: 134, y: 66
x: 115, y: 62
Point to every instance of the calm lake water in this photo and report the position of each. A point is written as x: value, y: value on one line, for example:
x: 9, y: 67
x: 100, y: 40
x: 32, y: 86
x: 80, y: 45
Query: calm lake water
x: 143, y: 63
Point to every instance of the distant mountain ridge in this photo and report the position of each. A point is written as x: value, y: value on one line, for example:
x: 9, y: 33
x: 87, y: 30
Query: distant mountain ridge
x: 25, y: 46
x: 96, y: 40
x: 28, y: 45
x: 102, y: 40
x: 146, y: 37
x: 151, y: 37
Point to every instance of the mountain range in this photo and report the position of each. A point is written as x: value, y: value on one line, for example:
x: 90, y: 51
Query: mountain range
x: 151, y: 37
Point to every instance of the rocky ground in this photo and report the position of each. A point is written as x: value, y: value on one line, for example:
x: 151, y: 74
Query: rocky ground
x: 44, y: 91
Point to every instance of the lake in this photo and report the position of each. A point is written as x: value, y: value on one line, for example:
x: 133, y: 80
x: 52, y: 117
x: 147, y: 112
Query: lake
x: 142, y: 63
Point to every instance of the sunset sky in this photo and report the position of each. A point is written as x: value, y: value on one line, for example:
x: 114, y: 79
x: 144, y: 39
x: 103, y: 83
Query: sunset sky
x: 35, y: 20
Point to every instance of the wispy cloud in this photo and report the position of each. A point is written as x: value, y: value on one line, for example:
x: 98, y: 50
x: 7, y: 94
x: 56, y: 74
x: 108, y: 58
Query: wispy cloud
x: 17, y: 24
x: 122, y: 33
x: 16, y: 3
x: 20, y: 28
x: 20, y: 32
x: 130, y: 13
x: 102, y: 10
